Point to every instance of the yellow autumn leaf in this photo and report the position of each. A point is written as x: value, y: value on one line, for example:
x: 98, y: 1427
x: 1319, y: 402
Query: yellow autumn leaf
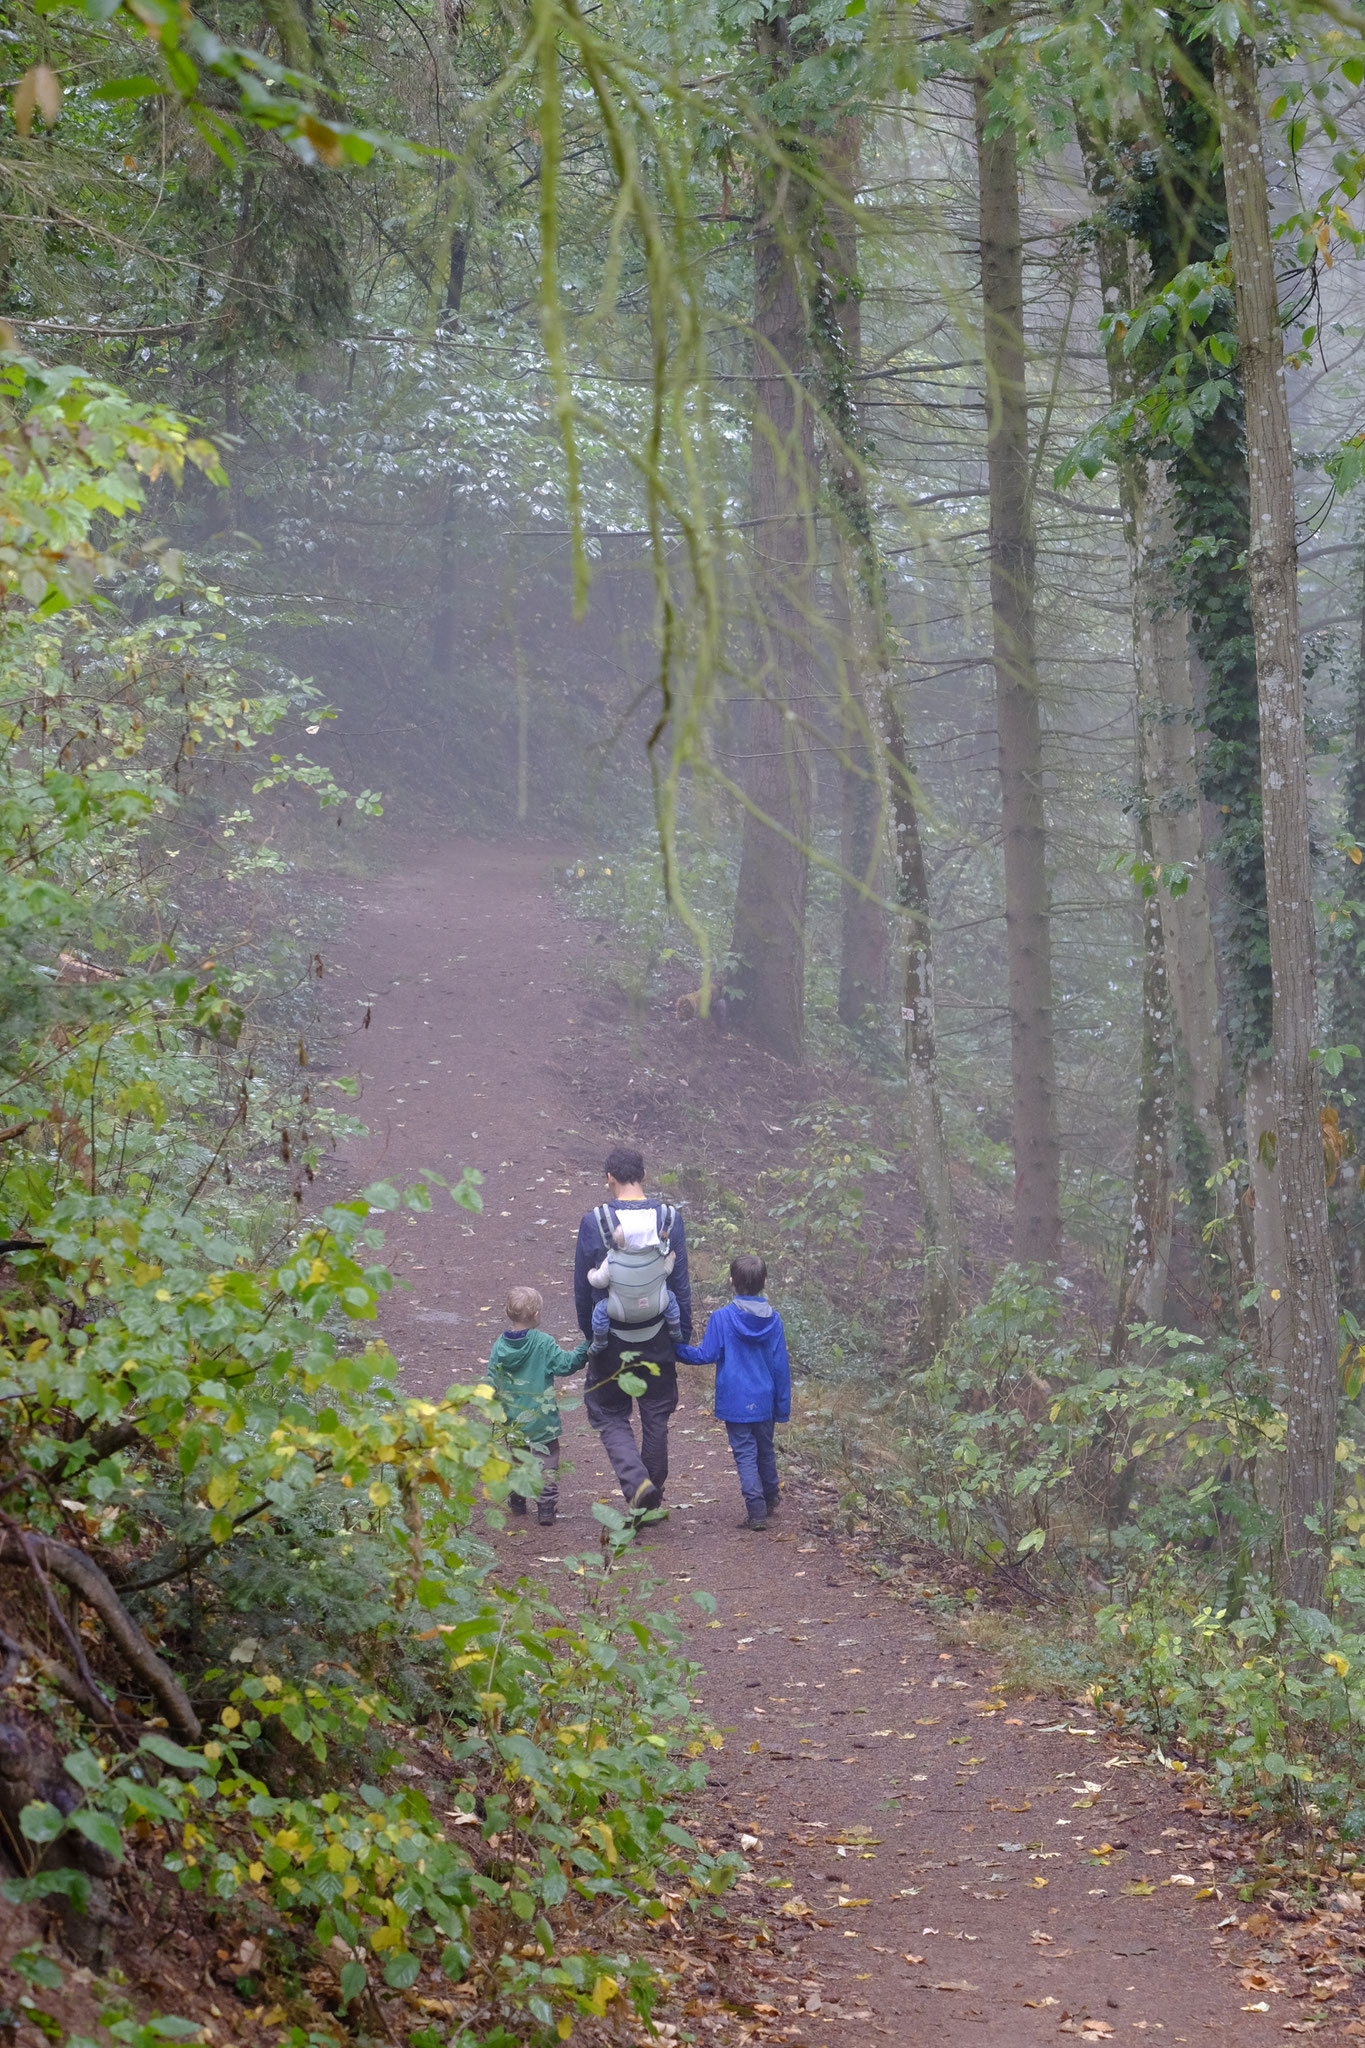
x: 380, y: 1494
x: 230, y: 1718
x: 1354, y: 855
x: 221, y: 1488
x: 1341, y: 1665
x: 603, y: 1992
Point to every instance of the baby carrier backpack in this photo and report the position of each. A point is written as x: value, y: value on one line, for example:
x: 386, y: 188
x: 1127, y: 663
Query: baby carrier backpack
x: 637, y: 1274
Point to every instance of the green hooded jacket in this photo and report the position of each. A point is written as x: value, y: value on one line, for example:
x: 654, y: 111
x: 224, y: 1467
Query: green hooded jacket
x: 522, y: 1372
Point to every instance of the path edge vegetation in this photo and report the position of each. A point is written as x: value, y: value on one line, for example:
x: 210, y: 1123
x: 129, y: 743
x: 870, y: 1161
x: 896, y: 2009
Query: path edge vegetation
x: 192, y: 1404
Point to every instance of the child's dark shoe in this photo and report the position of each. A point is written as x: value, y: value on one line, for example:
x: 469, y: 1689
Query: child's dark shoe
x: 754, y: 1522
x: 516, y: 1503
x: 545, y: 1513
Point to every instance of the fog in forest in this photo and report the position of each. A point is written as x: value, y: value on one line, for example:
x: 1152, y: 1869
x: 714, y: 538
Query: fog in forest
x: 747, y: 611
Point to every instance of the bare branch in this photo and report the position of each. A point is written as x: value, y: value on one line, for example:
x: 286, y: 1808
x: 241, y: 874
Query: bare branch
x: 45, y: 1554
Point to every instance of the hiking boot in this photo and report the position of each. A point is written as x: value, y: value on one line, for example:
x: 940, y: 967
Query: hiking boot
x: 753, y: 1522
x: 772, y: 1502
x: 545, y: 1513
x: 516, y: 1503
x: 646, y: 1497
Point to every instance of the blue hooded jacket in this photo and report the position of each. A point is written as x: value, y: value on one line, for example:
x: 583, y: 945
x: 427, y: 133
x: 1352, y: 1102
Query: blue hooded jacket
x: 747, y: 1345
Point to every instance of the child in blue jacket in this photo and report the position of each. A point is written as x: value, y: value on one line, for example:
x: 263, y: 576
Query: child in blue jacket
x: 746, y: 1343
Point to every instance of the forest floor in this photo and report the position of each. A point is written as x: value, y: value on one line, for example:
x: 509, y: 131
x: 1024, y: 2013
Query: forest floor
x: 1050, y: 1880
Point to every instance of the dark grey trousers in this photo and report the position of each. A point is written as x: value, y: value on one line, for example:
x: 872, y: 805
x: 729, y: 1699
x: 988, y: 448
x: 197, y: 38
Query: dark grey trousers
x: 609, y: 1411
x: 548, y: 1455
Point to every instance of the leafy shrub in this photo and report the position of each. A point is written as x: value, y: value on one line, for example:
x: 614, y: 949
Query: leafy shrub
x: 822, y: 1200
x: 200, y: 1439
x: 1268, y: 1699
x: 1022, y: 1438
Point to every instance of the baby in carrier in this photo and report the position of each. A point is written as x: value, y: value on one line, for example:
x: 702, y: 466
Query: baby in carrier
x: 631, y: 1283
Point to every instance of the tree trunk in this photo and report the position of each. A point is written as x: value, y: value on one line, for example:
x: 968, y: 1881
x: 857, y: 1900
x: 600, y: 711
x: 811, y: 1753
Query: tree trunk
x: 1033, y: 1062
x: 1168, y: 746
x: 769, y: 941
x: 1300, y: 1186
x: 443, y: 617
x: 1185, y: 1082
x: 942, y: 1246
x: 863, y: 836
x: 1347, y: 955
x: 876, y: 713
x: 1348, y: 989
x: 862, y: 841
x: 1147, y: 1254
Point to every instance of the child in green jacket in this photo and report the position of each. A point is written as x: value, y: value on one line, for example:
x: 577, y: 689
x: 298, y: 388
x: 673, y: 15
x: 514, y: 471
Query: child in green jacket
x: 522, y: 1369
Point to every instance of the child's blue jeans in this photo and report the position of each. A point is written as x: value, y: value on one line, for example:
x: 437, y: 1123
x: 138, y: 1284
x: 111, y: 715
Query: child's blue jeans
x: 756, y: 1463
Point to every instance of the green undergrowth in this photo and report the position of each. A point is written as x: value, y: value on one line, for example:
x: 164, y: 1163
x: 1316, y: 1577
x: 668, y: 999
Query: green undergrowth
x: 1117, y: 1522
x: 262, y: 1676
x: 321, y: 1600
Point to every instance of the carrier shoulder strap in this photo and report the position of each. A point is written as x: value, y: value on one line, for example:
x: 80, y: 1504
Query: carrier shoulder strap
x: 606, y: 1224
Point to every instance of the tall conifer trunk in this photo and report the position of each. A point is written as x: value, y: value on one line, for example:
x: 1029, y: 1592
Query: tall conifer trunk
x: 1146, y: 1256
x: 769, y: 941
x: 886, y: 784
x: 1028, y: 922
x: 1298, y: 1179
x: 1346, y: 952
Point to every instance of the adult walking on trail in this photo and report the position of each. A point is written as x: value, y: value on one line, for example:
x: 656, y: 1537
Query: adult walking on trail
x: 631, y: 1253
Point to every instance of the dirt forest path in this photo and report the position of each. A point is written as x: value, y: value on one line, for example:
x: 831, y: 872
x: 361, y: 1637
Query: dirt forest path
x: 936, y: 1864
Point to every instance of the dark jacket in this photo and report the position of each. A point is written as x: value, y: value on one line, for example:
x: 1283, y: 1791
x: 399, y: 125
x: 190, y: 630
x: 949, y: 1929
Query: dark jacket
x: 589, y: 1253
x: 747, y: 1345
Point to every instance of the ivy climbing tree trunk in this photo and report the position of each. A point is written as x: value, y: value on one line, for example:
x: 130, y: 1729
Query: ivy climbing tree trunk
x: 1299, y: 1178
x: 1165, y: 208
x: 1169, y: 751
x: 769, y: 939
x: 1028, y: 921
x: 1184, y: 1088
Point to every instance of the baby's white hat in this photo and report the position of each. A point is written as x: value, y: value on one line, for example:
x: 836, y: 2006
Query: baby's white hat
x: 637, y: 1229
